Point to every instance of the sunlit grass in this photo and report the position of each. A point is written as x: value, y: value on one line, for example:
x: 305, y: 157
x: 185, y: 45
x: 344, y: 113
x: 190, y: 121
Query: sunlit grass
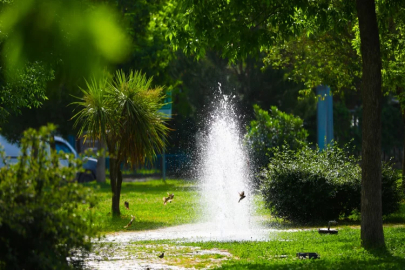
x: 341, y: 251
x: 146, y: 204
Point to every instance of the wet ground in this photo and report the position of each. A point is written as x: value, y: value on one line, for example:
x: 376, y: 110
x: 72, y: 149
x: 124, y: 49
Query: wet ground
x: 146, y: 256
x: 124, y: 250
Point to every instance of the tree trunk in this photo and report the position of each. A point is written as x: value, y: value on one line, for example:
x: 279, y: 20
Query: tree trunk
x: 100, y: 171
x: 372, y: 234
x: 116, y: 181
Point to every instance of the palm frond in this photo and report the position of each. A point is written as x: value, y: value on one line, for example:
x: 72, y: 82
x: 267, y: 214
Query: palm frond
x: 143, y: 130
x: 94, y: 117
x: 125, y: 109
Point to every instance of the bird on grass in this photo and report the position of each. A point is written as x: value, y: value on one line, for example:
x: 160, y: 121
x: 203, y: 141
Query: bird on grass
x: 130, y: 222
x: 169, y: 198
x: 126, y: 205
x: 161, y: 255
x: 242, y: 196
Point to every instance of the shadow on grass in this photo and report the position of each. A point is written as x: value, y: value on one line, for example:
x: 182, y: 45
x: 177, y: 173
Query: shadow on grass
x: 117, y: 224
x: 281, y: 224
x: 145, y: 225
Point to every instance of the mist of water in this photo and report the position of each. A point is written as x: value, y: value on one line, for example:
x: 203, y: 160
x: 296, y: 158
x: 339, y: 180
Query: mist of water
x: 224, y: 173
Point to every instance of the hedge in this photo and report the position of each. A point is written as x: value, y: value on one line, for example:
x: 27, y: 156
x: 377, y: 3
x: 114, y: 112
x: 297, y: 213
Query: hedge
x: 309, y: 185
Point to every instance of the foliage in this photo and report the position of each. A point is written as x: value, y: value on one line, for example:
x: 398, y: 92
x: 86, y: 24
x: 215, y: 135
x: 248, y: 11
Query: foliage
x: 347, y: 125
x: 308, y: 185
x: 25, y: 88
x: 319, y: 57
x: 390, y: 190
x: 123, y: 112
x: 151, y: 52
x: 322, y: 55
x: 40, y: 225
x: 242, y: 28
x: 271, y: 129
x: 234, y: 28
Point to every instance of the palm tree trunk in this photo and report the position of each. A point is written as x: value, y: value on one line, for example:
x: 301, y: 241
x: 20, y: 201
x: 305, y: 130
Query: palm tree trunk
x: 116, y: 181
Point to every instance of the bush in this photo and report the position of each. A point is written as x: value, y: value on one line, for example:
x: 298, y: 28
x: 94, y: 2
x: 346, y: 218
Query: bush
x: 270, y: 130
x: 39, y: 222
x: 308, y: 185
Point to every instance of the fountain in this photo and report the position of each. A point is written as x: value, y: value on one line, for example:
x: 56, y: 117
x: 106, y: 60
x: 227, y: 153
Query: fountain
x: 223, y: 175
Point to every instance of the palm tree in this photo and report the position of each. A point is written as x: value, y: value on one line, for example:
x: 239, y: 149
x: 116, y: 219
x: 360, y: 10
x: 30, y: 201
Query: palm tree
x: 123, y: 112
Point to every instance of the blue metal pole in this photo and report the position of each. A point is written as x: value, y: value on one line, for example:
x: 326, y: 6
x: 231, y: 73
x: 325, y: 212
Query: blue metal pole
x: 324, y: 116
x: 329, y: 99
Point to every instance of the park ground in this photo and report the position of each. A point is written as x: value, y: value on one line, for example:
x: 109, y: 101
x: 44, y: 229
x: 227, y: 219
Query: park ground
x: 132, y: 248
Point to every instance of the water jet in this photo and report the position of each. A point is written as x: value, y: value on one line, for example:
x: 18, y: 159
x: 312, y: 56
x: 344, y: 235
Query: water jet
x: 224, y: 175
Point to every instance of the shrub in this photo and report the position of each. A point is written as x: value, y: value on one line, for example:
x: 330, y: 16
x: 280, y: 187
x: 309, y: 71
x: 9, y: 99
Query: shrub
x: 40, y: 226
x: 308, y: 185
x: 270, y: 129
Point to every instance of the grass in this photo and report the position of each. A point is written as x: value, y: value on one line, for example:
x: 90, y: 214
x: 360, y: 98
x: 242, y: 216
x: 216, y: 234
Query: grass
x: 146, y: 204
x: 342, y: 251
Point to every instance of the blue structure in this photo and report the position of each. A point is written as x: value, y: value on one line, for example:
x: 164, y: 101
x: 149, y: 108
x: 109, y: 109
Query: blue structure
x: 324, y: 116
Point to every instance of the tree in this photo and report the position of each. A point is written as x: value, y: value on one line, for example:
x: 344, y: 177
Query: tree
x: 334, y: 57
x: 372, y: 234
x: 26, y: 89
x: 240, y: 28
x: 123, y: 112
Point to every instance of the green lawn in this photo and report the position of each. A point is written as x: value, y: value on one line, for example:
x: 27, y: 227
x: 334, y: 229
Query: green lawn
x: 342, y: 251
x: 146, y: 204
